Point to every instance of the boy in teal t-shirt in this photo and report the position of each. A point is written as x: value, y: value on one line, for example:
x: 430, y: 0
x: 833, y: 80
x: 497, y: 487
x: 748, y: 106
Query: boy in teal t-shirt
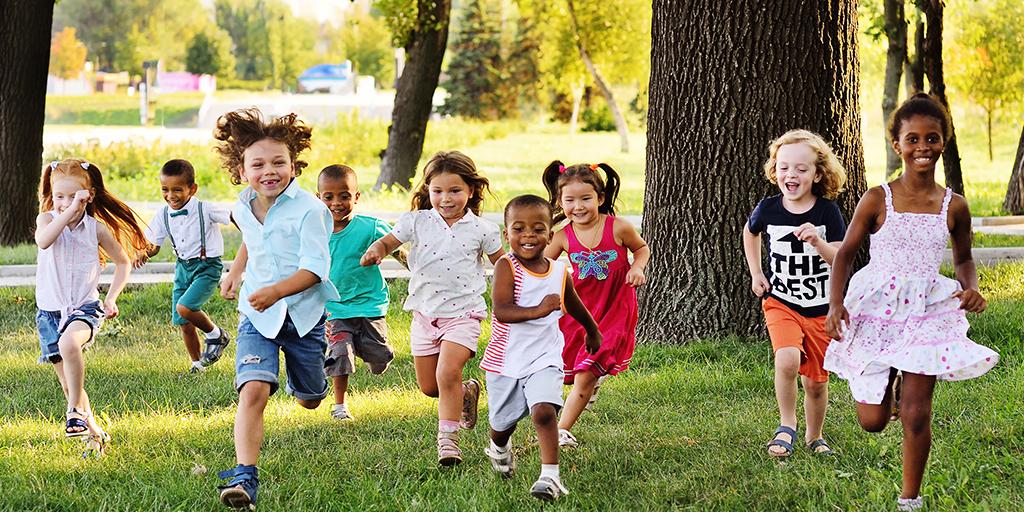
x: 355, y: 323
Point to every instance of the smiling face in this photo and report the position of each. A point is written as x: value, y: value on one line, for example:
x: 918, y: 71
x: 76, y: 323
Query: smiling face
x: 796, y: 171
x: 449, y: 194
x: 63, y: 188
x: 176, y: 190
x: 920, y: 143
x: 528, y: 231
x: 267, y: 168
x: 340, y: 195
x: 580, y: 202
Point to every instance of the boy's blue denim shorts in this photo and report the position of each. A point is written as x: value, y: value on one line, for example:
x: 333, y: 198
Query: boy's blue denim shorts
x: 257, y: 359
x: 50, y: 329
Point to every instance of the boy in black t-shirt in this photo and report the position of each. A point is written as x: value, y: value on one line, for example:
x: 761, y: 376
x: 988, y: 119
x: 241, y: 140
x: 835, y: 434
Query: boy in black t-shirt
x: 804, y: 232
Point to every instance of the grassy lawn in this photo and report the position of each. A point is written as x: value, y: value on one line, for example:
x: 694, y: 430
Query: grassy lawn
x: 684, y: 428
x: 172, y: 109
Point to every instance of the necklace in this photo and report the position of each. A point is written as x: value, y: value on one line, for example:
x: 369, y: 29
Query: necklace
x: 595, y: 239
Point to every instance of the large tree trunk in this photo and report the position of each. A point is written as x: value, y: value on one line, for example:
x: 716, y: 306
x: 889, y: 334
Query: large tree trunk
x: 718, y: 95
x: 1014, y: 202
x: 937, y: 87
x: 24, y: 60
x: 620, y: 122
x: 914, y: 69
x: 895, y: 56
x: 414, y: 93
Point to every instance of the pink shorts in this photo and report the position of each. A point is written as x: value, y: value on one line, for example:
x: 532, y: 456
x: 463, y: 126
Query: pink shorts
x: 426, y: 332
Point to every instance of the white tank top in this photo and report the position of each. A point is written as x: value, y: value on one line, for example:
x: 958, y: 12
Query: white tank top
x: 522, y: 348
x: 68, y: 272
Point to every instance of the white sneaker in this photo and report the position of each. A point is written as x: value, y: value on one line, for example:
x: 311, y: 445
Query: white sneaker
x: 566, y: 439
x: 340, y: 412
x: 502, y: 462
x: 196, y: 367
x: 548, y: 489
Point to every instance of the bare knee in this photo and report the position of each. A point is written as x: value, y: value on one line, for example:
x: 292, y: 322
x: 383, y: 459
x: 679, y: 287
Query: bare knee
x: 182, y: 310
x: 254, y: 394
x: 429, y: 389
x: 787, y: 362
x: 874, y: 420
x: 309, y: 404
x: 815, y: 390
x: 543, y: 414
x: 917, y: 418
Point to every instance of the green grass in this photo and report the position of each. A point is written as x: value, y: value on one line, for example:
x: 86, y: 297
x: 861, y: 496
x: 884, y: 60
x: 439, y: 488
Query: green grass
x: 684, y: 428
x: 172, y: 109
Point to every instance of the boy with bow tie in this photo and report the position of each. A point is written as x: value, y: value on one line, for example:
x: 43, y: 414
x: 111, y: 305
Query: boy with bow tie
x: 191, y: 227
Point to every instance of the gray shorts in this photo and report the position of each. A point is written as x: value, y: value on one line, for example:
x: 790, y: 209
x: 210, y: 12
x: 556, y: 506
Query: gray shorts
x: 509, y: 400
x: 363, y: 337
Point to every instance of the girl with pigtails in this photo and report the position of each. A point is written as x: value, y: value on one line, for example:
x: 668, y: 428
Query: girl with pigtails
x: 598, y: 244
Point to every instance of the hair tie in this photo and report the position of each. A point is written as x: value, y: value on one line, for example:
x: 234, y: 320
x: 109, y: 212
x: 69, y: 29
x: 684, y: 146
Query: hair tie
x: 85, y: 165
x: 561, y: 169
x: 53, y: 165
x: 594, y: 167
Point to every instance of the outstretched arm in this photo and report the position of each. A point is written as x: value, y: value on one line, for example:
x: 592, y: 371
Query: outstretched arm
x: 122, y: 267
x: 379, y: 249
x: 963, y: 261
x: 574, y: 306
x: 752, y: 251
x: 625, y: 232
x: 865, y: 218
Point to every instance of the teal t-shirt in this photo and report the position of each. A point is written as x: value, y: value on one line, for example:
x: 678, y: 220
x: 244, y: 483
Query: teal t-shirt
x: 364, y: 294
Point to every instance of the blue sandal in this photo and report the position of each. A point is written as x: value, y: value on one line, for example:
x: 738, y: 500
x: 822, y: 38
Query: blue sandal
x: 240, y: 492
x: 75, y: 426
x: 827, y: 452
x: 787, y: 446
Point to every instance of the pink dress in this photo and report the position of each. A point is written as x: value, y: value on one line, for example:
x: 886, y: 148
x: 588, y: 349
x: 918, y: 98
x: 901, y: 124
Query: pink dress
x: 599, y: 277
x: 902, y: 311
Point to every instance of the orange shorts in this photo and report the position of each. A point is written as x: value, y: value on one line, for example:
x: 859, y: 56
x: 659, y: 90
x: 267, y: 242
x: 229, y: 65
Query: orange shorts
x: 787, y: 328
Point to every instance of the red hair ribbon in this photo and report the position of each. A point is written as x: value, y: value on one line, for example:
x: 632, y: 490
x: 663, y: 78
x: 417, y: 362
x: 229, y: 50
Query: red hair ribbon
x: 561, y: 169
x: 594, y: 167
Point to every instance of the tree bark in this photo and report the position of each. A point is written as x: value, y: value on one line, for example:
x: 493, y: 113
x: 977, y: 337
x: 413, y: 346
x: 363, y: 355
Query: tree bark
x: 915, y: 67
x: 937, y: 87
x: 24, y: 61
x: 414, y: 94
x: 895, y: 56
x: 717, y: 97
x: 577, y: 99
x: 1014, y: 202
x: 620, y: 122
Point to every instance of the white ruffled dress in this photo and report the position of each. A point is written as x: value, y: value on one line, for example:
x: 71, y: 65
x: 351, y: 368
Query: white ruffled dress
x: 902, y: 311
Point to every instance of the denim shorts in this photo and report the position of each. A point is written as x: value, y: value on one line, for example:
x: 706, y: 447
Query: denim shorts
x: 48, y: 324
x: 256, y: 358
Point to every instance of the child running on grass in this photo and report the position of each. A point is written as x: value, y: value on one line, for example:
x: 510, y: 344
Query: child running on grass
x: 523, y: 359
x: 598, y: 244
x: 80, y: 225
x: 285, y: 231
x: 900, y: 314
x: 355, y: 323
x: 804, y: 230
x: 448, y: 240
x: 191, y: 227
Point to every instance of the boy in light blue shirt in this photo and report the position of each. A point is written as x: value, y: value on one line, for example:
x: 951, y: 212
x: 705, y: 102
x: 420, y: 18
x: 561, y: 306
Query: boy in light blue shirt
x: 355, y: 323
x: 286, y: 263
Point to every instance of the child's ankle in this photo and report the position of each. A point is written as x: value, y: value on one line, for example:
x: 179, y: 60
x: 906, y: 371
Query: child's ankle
x: 214, y: 334
x: 550, y: 470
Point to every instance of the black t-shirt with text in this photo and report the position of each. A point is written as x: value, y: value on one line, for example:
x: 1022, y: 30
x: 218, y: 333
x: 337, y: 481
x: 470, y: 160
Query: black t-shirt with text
x: 799, y: 277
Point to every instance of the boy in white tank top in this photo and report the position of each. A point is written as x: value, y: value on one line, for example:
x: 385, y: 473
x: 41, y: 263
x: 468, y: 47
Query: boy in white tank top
x: 523, y: 358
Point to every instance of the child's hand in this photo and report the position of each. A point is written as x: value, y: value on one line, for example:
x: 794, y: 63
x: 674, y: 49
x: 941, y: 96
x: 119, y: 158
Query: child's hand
x: 140, y: 260
x: 635, y: 277
x: 971, y: 301
x: 77, y: 206
x: 835, y: 322
x: 263, y: 298
x: 593, y: 342
x: 759, y: 285
x: 110, y: 308
x: 373, y: 255
x: 229, y: 288
x: 808, y: 233
x: 549, y: 303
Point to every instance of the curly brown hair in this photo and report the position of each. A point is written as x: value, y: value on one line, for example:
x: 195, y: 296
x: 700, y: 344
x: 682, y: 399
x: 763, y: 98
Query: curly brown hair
x: 452, y: 162
x: 239, y: 129
x: 833, y: 175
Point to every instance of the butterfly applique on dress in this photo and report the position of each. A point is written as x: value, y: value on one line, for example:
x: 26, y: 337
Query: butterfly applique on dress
x: 593, y: 263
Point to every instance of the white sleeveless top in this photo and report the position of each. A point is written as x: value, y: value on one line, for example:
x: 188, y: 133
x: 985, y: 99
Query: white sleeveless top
x: 68, y: 272
x: 522, y: 348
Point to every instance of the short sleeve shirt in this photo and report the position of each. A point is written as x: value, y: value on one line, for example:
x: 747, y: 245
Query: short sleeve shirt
x: 186, y: 231
x: 799, y: 277
x: 446, y: 262
x: 364, y: 294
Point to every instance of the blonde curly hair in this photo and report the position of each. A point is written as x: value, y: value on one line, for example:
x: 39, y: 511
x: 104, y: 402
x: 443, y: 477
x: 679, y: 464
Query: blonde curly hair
x: 828, y: 167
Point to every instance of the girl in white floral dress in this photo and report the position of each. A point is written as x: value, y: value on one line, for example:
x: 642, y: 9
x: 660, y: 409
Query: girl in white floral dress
x: 899, y: 313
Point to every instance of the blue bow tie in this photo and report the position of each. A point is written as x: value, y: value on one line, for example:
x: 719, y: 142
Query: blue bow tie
x: 177, y: 213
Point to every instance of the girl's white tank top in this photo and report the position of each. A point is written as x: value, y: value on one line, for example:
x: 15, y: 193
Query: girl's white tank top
x: 68, y: 272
